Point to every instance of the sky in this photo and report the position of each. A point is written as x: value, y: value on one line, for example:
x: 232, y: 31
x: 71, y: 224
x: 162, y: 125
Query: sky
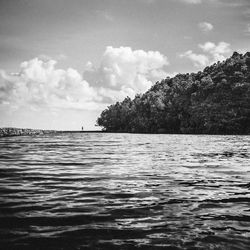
x: 63, y: 62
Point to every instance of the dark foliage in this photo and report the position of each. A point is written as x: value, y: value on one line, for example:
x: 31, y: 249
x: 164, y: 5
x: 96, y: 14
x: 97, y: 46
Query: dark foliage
x: 215, y: 101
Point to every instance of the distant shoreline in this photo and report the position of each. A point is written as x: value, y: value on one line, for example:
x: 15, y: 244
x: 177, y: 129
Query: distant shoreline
x: 10, y: 132
x: 7, y: 132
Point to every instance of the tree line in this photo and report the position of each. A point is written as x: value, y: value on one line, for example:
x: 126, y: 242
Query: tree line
x: 214, y: 101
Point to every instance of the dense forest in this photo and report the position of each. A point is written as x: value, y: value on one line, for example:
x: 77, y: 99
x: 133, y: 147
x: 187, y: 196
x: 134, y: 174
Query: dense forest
x: 215, y: 101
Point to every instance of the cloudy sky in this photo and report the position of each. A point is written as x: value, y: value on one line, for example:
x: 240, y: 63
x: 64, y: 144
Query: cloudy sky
x: 62, y: 62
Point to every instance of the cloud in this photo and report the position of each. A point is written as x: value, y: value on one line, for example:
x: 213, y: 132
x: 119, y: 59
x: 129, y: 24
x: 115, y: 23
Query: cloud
x: 247, y: 29
x: 172, y: 74
x: 192, y: 1
x: 227, y: 3
x: 197, y: 59
x: 218, y: 52
x: 213, y: 53
x: 105, y: 15
x: 206, y: 27
x: 123, y: 71
x: 148, y: 1
x: 199, y: 1
x: 39, y: 84
x: 247, y: 12
x: 233, y: 3
x: 57, y: 57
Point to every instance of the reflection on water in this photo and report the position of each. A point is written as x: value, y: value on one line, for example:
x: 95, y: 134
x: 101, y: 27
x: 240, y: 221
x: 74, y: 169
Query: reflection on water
x: 125, y: 191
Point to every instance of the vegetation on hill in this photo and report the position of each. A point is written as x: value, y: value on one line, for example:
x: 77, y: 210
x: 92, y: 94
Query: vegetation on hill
x: 215, y: 101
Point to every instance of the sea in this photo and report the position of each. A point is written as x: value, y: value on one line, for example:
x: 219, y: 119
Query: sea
x: 125, y: 191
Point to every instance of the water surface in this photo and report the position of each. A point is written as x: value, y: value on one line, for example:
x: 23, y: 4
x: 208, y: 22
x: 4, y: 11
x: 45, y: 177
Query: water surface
x: 125, y: 191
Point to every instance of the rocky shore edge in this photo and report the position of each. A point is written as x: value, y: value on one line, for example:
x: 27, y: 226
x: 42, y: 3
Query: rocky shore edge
x: 4, y: 132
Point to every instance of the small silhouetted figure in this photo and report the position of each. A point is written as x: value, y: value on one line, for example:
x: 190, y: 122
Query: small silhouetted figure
x: 82, y: 128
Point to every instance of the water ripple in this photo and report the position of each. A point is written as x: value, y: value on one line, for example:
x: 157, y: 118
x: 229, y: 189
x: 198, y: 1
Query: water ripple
x: 125, y: 191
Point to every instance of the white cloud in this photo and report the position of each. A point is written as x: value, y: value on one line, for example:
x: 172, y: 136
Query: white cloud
x: 185, y: 1
x: 213, y: 53
x: 192, y: 1
x: 218, y: 52
x: 147, y: 1
x: 39, y: 84
x: 172, y: 74
x: 227, y: 3
x: 125, y: 71
x: 247, y: 12
x: 56, y: 57
x: 105, y: 15
x: 208, y: 46
x: 205, y: 26
x: 199, y: 60
x: 247, y: 30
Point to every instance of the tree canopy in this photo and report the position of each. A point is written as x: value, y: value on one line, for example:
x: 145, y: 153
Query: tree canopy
x: 215, y: 101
